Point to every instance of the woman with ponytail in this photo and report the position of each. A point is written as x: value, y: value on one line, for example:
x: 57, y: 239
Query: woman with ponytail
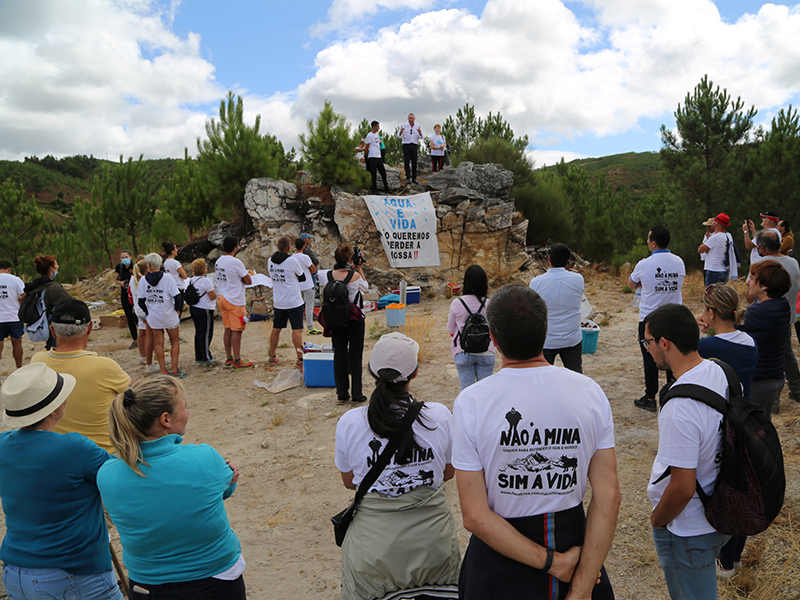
x: 166, y: 499
x: 403, y: 536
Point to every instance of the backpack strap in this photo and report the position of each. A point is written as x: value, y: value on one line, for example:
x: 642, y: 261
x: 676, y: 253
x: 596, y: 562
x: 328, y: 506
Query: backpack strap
x: 469, y: 312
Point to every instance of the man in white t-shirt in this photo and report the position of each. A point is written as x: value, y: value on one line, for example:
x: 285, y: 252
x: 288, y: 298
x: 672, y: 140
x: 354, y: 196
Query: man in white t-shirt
x: 526, y: 441
x: 718, y: 248
x: 287, y: 301
x: 660, y: 276
x: 769, y: 221
x: 563, y: 292
x: 231, y: 277
x: 11, y: 292
x: 410, y: 133
x: 307, y: 285
x: 689, y: 445
x: 374, y: 159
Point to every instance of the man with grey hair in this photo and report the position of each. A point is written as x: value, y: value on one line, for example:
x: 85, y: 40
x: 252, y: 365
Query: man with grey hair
x: 768, y: 245
x: 526, y: 441
x: 98, y: 379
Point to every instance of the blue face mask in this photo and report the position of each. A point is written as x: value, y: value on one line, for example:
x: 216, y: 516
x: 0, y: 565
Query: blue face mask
x: 126, y: 261
x: 54, y: 274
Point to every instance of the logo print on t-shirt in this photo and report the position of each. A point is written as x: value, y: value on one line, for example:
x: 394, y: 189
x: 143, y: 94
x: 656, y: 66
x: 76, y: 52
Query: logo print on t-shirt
x: 396, y: 480
x: 537, y: 471
x: 663, y: 283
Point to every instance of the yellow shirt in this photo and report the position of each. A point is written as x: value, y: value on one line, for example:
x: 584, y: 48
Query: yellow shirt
x: 98, y: 380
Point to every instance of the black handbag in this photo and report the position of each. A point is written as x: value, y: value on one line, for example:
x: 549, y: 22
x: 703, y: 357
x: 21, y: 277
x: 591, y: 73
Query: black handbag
x: 342, y: 520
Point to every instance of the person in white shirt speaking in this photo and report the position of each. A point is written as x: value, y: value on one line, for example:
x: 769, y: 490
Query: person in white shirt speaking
x: 411, y: 134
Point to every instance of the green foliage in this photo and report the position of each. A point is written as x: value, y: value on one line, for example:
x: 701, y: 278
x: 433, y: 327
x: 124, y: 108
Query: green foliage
x: 598, y: 234
x: 546, y: 207
x: 73, y: 257
x: 24, y: 227
x: 466, y: 129
x: 185, y: 196
x: 96, y: 220
x: 392, y: 143
x: 328, y: 148
x: 133, y: 200
x: 502, y: 152
x: 78, y: 166
x: 235, y: 153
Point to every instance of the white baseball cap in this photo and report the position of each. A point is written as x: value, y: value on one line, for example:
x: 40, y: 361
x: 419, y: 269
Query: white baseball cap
x: 395, y: 351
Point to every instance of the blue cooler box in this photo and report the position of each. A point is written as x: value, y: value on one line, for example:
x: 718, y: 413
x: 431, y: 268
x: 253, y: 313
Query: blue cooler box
x: 318, y: 369
x: 412, y: 294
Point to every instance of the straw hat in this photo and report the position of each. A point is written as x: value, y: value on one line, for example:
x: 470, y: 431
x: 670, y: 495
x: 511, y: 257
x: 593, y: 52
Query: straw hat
x: 33, y: 392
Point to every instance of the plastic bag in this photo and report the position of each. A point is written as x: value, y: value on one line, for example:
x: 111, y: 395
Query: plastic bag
x: 284, y: 380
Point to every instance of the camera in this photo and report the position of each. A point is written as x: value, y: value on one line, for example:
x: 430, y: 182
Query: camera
x: 358, y: 257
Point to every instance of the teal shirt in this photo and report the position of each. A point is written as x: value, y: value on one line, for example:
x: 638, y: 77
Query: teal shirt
x: 54, y: 517
x: 172, y: 522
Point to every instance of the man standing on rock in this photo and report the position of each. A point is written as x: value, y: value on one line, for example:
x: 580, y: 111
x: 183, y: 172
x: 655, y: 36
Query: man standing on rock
x: 660, y: 276
x: 411, y: 134
x: 374, y: 160
x: 231, y: 277
x: 689, y: 443
x: 719, y: 251
x: 563, y: 292
x: 526, y: 441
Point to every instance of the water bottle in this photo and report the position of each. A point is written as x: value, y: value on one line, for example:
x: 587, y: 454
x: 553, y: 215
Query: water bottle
x: 637, y: 299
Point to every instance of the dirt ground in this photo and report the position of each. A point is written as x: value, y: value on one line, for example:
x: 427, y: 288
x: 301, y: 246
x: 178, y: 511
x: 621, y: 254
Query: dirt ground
x: 283, y: 445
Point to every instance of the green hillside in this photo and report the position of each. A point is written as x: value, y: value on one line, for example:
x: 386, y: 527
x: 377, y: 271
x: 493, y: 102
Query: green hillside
x: 637, y: 172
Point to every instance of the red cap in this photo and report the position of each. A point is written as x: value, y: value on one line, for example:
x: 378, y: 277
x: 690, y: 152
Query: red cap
x: 723, y: 218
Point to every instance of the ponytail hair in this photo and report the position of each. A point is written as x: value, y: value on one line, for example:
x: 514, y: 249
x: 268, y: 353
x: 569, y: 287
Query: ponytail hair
x: 134, y: 412
x: 168, y: 248
x: 387, y: 406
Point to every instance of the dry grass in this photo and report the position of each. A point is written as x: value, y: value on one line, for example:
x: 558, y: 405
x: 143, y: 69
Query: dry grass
x: 419, y: 328
x: 277, y: 418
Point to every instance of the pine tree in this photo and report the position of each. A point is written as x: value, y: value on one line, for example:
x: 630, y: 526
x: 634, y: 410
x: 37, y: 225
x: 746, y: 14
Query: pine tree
x: 95, y: 218
x: 24, y: 227
x: 134, y: 202
x: 185, y: 196
x: 328, y: 147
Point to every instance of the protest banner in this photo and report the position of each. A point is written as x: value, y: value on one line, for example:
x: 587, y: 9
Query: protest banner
x: 407, y: 225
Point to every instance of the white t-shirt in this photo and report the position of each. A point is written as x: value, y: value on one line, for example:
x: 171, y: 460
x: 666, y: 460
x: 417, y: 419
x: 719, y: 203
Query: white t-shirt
x: 171, y: 267
x: 715, y: 257
x: 161, y: 313
x: 373, y: 140
x: 229, y: 272
x: 357, y: 449
x: 754, y: 256
x: 661, y: 275
x: 11, y: 287
x: 438, y: 145
x: 562, y: 291
x: 353, y: 288
x: 533, y: 432
x: 304, y: 260
x: 203, y: 285
x: 285, y: 283
x: 689, y: 437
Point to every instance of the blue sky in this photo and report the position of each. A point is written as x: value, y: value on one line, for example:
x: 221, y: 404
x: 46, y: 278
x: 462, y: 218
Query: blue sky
x: 580, y: 78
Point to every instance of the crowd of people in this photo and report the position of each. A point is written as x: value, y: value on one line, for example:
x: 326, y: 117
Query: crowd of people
x: 523, y: 444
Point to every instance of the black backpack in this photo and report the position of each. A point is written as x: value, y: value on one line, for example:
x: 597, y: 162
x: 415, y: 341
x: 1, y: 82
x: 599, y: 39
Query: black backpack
x: 191, y: 295
x: 475, y: 333
x: 749, y: 490
x: 31, y: 309
x: 336, y: 302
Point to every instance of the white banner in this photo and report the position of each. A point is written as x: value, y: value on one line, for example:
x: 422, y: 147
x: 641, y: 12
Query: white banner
x: 407, y: 225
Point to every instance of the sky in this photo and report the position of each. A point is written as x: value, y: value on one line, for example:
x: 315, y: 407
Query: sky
x: 580, y: 78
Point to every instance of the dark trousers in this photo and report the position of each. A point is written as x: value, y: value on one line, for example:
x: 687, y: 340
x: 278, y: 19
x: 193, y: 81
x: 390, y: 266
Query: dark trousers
x: 410, y: 157
x: 348, y: 349
x: 133, y: 321
x: 201, y: 589
x: 732, y: 551
x: 650, y: 369
x: 375, y: 166
x: 571, y: 357
x: 203, y: 332
x: 437, y: 163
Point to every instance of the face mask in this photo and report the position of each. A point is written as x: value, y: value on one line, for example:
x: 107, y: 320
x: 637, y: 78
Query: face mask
x: 126, y: 261
x: 54, y: 274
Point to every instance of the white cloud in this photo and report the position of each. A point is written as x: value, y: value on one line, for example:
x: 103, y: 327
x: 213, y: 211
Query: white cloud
x: 343, y: 13
x: 546, y: 158
x: 97, y: 76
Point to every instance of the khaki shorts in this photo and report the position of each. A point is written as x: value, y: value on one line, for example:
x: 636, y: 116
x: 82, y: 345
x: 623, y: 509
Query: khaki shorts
x: 232, y: 315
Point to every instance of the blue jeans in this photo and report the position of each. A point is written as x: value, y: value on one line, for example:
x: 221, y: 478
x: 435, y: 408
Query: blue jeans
x: 689, y: 563
x: 45, y: 584
x: 473, y: 367
x: 716, y: 277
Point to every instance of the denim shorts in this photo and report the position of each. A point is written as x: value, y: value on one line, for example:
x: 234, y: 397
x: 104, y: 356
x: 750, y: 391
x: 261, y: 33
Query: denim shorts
x: 29, y: 584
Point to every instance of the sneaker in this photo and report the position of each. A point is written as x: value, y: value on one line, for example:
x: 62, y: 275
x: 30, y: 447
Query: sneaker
x: 151, y: 369
x: 645, y: 403
x: 142, y: 359
x: 725, y: 574
x: 133, y: 345
x: 314, y: 331
x: 179, y: 374
x: 343, y: 401
x: 273, y: 360
x: 228, y: 363
x: 359, y: 400
x: 240, y: 365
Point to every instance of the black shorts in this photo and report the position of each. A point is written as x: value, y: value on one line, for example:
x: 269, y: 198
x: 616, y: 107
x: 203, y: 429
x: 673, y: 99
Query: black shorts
x: 15, y: 329
x: 293, y: 315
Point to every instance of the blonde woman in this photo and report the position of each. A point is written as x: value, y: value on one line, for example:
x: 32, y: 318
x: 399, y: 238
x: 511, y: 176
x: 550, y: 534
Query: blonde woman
x: 202, y: 313
x: 166, y: 499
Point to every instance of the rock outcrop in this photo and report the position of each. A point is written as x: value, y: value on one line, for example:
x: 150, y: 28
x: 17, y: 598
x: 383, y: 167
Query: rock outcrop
x: 477, y: 224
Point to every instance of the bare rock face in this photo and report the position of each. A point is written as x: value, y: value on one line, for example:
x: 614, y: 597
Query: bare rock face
x: 477, y: 224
